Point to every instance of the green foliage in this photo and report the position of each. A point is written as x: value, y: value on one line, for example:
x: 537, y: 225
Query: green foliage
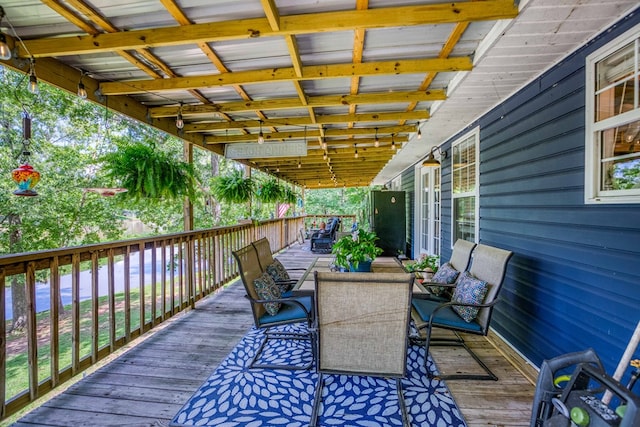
x: 289, y: 196
x: 233, y: 187
x: 149, y: 173
x: 423, y: 263
x: 270, y: 191
x: 340, y: 201
x: 65, y: 141
x: 355, y: 248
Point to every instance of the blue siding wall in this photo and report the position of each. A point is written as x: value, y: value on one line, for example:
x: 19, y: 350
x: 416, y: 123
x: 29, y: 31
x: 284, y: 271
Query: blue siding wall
x: 574, y: 281
x: 407, y: 180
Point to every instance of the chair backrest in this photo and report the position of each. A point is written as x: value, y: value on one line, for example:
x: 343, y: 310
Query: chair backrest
x: 490, y: 265
x: 249, y: 269
x: 363, y: 322
x: 461, y: 255
x: 265, y: 256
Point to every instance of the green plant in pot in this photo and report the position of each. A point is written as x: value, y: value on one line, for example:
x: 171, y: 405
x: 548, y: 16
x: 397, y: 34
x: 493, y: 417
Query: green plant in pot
x: 356, y: 251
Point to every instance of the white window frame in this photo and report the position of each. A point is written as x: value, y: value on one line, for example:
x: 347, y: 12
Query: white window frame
x: 475, y: 134
x: 593, y: 169
x: 434, y: 245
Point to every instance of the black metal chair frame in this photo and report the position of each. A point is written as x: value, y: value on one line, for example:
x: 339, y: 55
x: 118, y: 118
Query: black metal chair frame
x: 249, y: 269
x: 482, y: 255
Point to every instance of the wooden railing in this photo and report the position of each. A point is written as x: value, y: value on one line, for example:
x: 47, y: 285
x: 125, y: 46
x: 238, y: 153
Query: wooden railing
x: 97, y: 298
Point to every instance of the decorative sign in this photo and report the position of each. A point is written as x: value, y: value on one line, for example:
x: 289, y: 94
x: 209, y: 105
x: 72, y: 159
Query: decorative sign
x: 252, y: 150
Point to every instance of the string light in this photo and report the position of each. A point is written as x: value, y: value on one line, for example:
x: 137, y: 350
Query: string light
x: 419, y: 133
x: 5, y: 52
x: 377, y: 141
x: 393, y: 143
x: 179, y: 119
x: 82, y: 91
x: 355, y: 155
x: 33, y: 80
x: 260, y: 135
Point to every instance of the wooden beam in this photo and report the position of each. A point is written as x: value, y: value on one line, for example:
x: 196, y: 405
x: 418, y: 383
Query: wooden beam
x: 314, y: 72
x: 260, y: 27
x: 307, y: 121
x: 280, y: 136
x: 290, y: 103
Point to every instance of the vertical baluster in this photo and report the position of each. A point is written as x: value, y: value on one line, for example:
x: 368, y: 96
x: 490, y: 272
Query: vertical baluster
x: 95, y: 308
x: 54, y: 295
x: 75, y: 312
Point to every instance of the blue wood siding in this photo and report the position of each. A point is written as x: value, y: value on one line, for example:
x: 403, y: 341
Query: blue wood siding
x: 574, y: 281
x: 408, y: 180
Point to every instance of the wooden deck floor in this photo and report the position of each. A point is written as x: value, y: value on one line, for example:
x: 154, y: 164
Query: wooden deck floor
x: 149, y: 383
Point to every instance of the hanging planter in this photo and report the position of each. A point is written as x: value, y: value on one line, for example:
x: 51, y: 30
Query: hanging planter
x: 289, y: 196
x: 147, y: 173
x: 233, y: 188
x: 270, y: 191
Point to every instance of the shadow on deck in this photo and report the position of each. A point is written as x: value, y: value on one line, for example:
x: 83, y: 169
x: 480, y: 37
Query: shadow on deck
x: 150, y: 381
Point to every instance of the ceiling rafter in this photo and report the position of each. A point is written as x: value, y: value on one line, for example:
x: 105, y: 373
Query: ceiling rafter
x: 313, y: 72
x: 304, y: 121
x: 295, y: 24
x: 289, y: 103
x: 310, y: 134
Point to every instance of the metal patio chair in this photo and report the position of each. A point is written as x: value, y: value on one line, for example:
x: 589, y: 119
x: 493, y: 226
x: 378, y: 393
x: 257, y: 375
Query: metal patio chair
x: 292, y: 310
x: 266, y: 259
x: 362, y: 325
x: 489, y: 265
x: 460, y: 260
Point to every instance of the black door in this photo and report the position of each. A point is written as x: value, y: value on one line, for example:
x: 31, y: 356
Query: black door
x: 388, y: 220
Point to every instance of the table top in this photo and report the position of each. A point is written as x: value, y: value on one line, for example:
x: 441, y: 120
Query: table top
x: 306, y: 284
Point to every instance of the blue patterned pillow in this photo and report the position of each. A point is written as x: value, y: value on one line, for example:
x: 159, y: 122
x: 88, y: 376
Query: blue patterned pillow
x: 277, y: 271
x: 445, y: 274
x: 267, y: 289
x: 468, y: 290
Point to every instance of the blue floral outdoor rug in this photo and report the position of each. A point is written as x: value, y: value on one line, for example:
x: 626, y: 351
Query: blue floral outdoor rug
x: 235, y: 396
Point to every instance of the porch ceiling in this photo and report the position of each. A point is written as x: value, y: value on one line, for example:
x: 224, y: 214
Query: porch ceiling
x: 312, y: 71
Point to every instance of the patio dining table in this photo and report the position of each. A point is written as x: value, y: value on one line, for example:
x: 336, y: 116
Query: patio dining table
x: 324, y: 263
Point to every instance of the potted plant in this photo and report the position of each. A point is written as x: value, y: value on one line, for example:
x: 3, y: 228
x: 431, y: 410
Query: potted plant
x: 356, y: 251
x: 424, y: 263
x: 149, y: 173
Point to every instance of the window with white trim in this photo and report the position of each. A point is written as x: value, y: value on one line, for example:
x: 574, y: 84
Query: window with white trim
x: 612, y: 151
x: 429, y: 200
x: 465, y: 187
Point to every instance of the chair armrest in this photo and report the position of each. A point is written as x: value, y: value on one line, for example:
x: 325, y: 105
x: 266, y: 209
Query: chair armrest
x: 462, y: 304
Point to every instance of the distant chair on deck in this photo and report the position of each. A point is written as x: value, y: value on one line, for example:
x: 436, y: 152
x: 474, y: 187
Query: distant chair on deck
x: 322, y: 241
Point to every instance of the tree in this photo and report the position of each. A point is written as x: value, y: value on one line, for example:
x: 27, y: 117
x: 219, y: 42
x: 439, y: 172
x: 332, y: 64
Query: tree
x: 65, y: 140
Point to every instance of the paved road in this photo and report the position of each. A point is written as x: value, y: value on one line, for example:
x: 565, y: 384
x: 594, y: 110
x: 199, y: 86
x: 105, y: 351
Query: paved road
x: 42, y: 289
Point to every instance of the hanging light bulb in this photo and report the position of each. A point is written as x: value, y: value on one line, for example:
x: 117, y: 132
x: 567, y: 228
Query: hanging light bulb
x: 5, y: 52
x: 33, y: 80
x: 419, y: 133
x: 355, y: 155
x: 299, y: 164
x: 179, y: 119
x: 393, y: 143
x: 377, y: 141
x: 260, y: 135
x: 324, y: 156
x: 82, y: 91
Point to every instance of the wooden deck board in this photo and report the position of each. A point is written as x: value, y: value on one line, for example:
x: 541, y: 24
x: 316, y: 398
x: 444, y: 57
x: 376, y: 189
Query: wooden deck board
x: 149, y: 383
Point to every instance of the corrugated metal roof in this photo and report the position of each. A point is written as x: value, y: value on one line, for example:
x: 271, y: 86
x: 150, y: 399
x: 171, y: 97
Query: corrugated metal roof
x: 298, y: 65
